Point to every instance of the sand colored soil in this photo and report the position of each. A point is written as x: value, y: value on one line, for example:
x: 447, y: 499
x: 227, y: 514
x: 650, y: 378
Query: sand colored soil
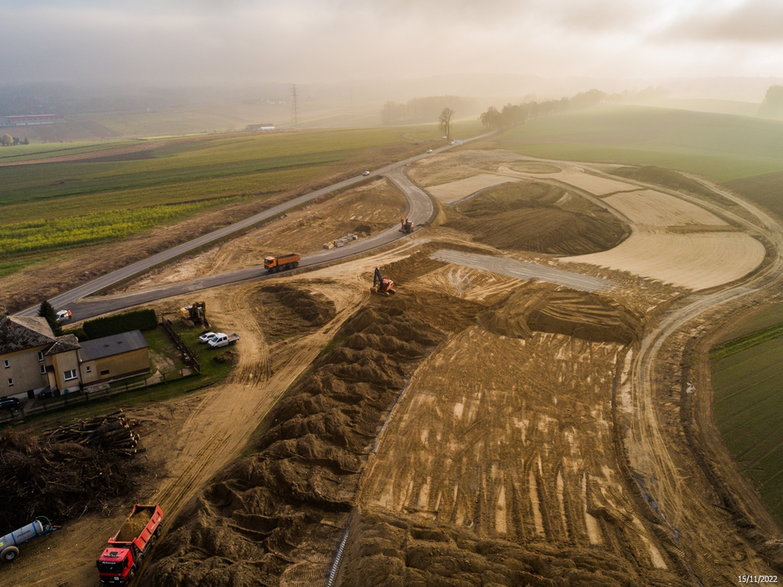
x: 696, y: 261
x: 386, y: 550
x: 363, y: 210
x: 285, y: 310
x: 652, y: 208
x: 481, y: 461
x: 456, y: 190
x: 594, y: 184
x: 262, y: 519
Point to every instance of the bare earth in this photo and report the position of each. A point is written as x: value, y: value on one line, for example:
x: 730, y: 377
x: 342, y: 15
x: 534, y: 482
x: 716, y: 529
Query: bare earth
x: 521, y: 444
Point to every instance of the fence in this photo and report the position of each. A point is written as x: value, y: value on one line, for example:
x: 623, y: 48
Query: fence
x: 187, y: 355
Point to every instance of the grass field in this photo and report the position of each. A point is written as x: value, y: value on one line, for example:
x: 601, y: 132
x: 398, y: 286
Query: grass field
x: 748, y: 410
x: 721, y: 147
x: 114, y: 194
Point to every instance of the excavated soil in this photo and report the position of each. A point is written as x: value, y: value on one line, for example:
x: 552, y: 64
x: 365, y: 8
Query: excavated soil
x: 256, y: 521
x: 385, y: 550
x: 285, y: 310
x: 539, y: 217
x: 546, y: 308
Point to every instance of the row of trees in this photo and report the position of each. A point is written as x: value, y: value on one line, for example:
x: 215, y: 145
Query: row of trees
x: 424, y: 109
x: 515, y: 114
x: 7, y: 140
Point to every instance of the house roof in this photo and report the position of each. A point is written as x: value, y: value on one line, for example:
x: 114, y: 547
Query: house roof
x: 112, y: 345
x: 19, y: 333
x: 67, y: 342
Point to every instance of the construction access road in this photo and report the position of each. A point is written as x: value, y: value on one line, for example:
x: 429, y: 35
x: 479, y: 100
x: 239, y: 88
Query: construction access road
x: 421, y: 210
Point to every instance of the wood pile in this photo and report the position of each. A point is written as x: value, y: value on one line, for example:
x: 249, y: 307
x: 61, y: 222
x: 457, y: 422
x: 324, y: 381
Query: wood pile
x: 68, y: 471
x: 112, y: 432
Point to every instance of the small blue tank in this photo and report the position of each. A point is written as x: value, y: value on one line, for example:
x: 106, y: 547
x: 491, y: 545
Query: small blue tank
x: 9, y: 544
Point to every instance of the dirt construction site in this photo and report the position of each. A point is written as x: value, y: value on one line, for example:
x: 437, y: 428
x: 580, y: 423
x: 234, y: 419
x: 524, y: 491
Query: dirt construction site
x: 530, y: 408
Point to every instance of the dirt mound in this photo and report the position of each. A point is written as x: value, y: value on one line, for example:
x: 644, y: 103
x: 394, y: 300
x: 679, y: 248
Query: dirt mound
x: 287, y: 309
x: 281, y: 509
x: 49, y: 476
x: 545, y: 308
x: 382, y: 550
x: 534, y: 216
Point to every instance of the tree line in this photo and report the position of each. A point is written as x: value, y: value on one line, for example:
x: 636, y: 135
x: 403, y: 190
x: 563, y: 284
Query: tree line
x: 516, y: 114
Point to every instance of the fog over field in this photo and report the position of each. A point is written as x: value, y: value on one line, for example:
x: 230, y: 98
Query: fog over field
x: 179, y: 42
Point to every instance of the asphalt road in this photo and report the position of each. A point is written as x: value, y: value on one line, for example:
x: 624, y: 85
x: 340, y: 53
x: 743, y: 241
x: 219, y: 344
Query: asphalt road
x: 420, y: 211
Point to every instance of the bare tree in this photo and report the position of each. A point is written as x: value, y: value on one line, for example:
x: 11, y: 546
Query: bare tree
x: 445, y: 121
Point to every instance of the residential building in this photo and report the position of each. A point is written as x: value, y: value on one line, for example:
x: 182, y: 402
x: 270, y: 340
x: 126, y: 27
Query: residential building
x: 33, y: 359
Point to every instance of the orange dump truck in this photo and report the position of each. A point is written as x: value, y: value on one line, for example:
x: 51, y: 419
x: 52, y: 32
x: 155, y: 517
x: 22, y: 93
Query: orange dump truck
x: 120, y: 560
x: 281, y: 263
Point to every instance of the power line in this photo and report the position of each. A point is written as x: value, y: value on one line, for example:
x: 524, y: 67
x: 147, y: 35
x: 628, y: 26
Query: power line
x: 294, y: 106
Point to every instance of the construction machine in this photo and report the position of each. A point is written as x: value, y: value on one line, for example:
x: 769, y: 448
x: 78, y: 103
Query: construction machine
x: 196, y: 312
x: 382, y: 285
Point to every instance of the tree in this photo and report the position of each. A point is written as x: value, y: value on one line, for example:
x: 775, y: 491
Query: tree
x: 47, y: 311
x: 6, y: 140
x: 445, y: 121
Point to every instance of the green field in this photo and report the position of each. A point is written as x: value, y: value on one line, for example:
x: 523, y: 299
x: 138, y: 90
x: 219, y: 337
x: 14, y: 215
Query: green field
x: 721, y: 147
x: 748, y: 409
x: 49, y: 206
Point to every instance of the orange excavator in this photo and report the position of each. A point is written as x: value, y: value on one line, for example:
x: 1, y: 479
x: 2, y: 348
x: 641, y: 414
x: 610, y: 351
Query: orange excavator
x: 382, y: 285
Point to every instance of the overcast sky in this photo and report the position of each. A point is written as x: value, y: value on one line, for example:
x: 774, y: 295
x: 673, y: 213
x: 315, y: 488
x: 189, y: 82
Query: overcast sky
x: 203, y: 41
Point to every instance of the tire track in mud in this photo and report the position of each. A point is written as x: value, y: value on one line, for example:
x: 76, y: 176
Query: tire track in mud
x: 659, y: 476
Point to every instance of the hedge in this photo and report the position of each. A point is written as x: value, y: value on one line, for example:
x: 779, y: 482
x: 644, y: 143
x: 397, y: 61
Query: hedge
x: 138, y: 319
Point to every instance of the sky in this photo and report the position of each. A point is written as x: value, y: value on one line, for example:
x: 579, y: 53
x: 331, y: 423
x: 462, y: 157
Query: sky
x: 308, y: 41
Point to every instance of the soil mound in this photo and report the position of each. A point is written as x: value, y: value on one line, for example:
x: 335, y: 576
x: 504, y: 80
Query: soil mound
x: 268, y: 513
x: 285, y: 310
x: 538, y: 307
x: 382, y: 550
x: 534, y: 216
x: 65, y: 472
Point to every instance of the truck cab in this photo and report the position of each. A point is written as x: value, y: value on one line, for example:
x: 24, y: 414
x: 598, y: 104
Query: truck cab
x: 116, y: 566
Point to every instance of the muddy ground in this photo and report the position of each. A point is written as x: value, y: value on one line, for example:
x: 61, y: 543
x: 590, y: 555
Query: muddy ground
x: 472, y: 429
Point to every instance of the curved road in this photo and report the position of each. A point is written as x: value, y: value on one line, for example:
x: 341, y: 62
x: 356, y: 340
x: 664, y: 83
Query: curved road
x: 420, y: 211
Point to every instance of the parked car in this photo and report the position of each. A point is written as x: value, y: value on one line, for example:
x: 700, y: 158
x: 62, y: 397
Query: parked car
x: 10, y: 403
x: 207, y: 336
x: 64, y: 315
x: 365, y: 173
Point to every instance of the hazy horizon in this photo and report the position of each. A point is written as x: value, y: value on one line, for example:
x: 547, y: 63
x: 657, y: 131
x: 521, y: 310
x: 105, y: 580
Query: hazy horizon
x: 174, y: 42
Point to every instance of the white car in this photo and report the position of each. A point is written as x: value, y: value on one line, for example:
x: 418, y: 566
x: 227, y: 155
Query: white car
x: 429, y: 150
x: 207, y: 336
x: 64, y: 315
x: 365, y: 173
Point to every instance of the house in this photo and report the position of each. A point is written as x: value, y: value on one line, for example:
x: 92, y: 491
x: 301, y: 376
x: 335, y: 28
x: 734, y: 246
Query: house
x: 111, y: 357
x: 33, y: 359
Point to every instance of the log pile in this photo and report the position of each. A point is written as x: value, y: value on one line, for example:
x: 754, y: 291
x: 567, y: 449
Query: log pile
x: 68, y: 471
x: 110, y: 432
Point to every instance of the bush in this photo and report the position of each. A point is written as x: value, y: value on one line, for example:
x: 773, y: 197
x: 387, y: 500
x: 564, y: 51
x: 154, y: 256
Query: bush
x: 138, y: 319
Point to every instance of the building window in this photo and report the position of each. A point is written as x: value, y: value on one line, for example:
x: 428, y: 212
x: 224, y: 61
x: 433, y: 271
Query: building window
x: 10, y: 382
x: 43, y: 369
x: 6, y: 364
x: 105, y: 372
x: 88, y: 369
x: 40, y: 356
x: 70, y: 374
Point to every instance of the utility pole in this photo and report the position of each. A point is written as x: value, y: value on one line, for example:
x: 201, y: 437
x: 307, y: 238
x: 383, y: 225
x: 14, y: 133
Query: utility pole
x: 294, y: 107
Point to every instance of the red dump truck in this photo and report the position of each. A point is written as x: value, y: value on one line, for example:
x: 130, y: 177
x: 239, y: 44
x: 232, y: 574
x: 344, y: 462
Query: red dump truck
x: 121, y: 558
x: 281, y: 262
